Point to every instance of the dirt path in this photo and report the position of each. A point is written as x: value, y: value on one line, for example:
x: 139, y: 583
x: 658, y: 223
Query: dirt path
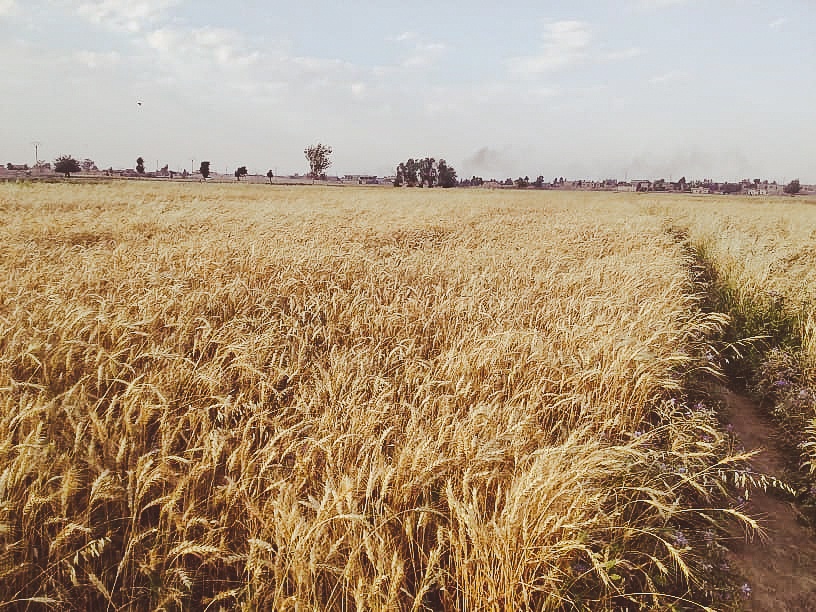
x: 780, y: 571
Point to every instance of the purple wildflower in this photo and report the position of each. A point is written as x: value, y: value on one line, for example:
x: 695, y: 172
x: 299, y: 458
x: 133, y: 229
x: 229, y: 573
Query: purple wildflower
x: 579, y: 567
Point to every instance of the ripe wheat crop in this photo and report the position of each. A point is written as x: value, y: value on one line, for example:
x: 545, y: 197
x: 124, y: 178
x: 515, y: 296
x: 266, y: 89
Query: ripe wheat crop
x: 763, y: 257
x: 247, y: 397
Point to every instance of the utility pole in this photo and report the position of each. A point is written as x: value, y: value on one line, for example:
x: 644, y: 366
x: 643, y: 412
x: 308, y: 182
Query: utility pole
x: 36, y: 144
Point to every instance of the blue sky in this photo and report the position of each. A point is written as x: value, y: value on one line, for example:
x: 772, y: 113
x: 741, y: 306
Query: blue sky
x: 644, y: 88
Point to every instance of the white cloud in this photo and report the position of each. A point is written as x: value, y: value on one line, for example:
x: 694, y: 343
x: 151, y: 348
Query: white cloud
x: 778, y: 23
x: 205, y: 47
x: 8, y: 8
x: 659, y: 4
x: 130, y: 15
x: 669, y: 77
x: 565, y: 43
x: 424, y: 55
x: 405, y: 36
x: 94, y: 60
x: 624, y: 54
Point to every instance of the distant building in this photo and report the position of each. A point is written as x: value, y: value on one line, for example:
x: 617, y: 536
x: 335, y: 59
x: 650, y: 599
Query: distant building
x: 700, y: 190
x: 361, y: 179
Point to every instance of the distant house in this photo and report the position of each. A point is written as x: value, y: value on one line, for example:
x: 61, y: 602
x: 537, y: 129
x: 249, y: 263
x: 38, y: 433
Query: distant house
x: 700, y: 190
x: 623, y: 186
x: 361, y: 179
x: 642, y: 185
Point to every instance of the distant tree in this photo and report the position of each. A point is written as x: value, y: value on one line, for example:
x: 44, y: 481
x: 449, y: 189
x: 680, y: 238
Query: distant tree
x: 508, y: 182
x: 793, y: 187
x: 139, y: 165
x: 270, y: 175
x: 204, y: 169
x: 523, y: 183
x: 65, y: 164
x: 88, y: 165
x: 659, y: 185
x: 427, y: 172
x: 682, y: 183
x: 539, y: 182
x: 446, y: 175
x: 412, y: 172
x: 476, y: 181
x: 407, y: 173
x: 318, y: 156
x: 9, y: 166
x: 241, y: 171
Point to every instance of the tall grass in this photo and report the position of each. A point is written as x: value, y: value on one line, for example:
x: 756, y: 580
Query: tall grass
x: 262, y: 398
x: 761, y: 260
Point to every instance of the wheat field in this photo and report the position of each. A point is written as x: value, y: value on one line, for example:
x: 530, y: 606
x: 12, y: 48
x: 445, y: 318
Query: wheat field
x: 252, y: 397
x: 763, y: 254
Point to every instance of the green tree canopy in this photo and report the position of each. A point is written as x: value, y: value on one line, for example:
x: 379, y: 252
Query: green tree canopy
x: 793, y: 187
x: 65, y: 164
x: 319, y: 159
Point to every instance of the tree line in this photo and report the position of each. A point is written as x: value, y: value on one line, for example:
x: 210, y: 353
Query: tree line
x: 425, y: 172
x: 414, y: 172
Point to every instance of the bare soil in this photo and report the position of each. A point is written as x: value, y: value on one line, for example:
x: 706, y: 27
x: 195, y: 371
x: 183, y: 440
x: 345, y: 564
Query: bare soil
x: 780, y: 568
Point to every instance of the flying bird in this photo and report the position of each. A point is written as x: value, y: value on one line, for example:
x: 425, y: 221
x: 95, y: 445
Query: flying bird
x: 139, y: 103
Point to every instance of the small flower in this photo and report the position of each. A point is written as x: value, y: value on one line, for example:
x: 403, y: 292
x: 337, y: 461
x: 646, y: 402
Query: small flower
x: 708, y: 536
x: 638, y: 434
x: 580, y: 567
x: 781, y: 383
x: 745, y: 590
x: 729, y: 427
x: 680, y: 540
x: 681, y: 470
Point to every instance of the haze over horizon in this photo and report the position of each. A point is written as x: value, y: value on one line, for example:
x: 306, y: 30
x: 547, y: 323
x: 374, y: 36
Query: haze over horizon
x: 639, y: 88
